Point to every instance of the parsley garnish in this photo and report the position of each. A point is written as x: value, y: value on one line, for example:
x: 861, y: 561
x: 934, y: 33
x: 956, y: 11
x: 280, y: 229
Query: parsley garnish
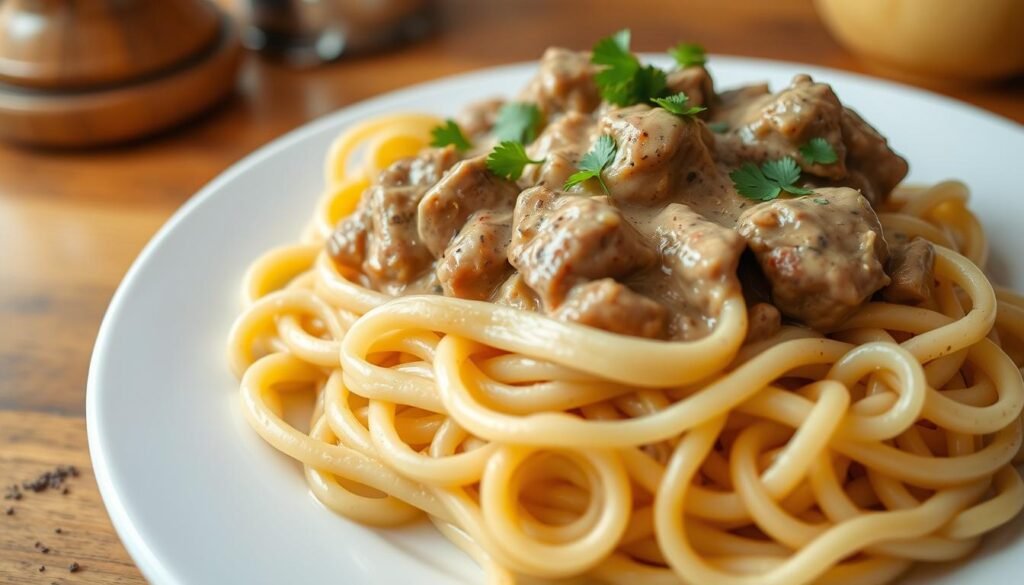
x: 517, y: 121
x: 508, y: 160
x: 649, y: 83
x: 688, y: 54
x: 819, y: 151
x: 679, y: 105
x: 594, y: 162
x: 623, y: 81
x: 768, y: 181
x: 449, y: 133
x: 718, y: 127
x: 613, y: 52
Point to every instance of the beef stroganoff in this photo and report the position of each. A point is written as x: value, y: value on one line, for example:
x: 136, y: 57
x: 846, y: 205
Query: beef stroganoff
x: 627, y: 327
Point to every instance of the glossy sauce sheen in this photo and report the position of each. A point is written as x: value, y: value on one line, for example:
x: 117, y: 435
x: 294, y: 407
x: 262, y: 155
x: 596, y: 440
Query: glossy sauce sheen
x: 659, y: 254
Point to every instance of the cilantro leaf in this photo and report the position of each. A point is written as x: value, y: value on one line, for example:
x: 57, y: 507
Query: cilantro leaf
x: 649, y: 83
x: 783, y: 171
x: 620, y: 66
x: 752, y: 184
x: 620, y: 94
x: 622, y: 80
x: 688, y: 54
x: 794, y: 190
x: 718, y: 127
x: 594, y: 162
x: 449, y: 133
x: 768, y: 181
x: 678, y: 104
x: 819, y: 151
x: 613, y: 52
x: 517, y: 121
x: 508, y: 159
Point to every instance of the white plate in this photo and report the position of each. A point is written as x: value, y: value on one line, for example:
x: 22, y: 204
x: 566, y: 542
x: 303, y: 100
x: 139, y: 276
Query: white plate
x: 198, y: 498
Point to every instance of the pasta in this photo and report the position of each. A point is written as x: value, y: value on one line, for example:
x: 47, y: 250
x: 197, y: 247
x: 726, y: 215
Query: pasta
x: 551, y: 450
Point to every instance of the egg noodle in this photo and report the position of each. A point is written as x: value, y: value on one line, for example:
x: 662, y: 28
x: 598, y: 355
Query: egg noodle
x: 549, y: 450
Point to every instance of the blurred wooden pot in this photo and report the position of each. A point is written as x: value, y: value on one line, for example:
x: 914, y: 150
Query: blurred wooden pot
x: 86, y: 72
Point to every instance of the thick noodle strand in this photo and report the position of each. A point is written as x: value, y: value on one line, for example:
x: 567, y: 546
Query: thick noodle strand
x: 552, y: 451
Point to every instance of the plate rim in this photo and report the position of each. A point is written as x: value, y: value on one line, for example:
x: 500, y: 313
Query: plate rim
x: 145, y: 558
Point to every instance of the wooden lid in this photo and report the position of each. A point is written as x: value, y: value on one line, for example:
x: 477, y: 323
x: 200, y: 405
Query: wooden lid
x: 86, y: 72
x: 70, y: 44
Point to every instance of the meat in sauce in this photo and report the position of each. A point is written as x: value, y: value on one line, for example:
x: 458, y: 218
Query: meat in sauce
x: 658, y: 255
x: 612, y: 306
x: 696, y: 271
x: 476, y: 261
x: 769, y: 126
x: 695, y: 82
x: 467, y: 188
x: 382, y: 237
x: 910, y: 269
x: 823, y: 255
x: 659, y: 154
x: 564, y: 83
x: 561, y: 240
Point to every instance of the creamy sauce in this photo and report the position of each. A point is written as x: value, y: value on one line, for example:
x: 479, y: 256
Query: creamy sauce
x: 659, y: 254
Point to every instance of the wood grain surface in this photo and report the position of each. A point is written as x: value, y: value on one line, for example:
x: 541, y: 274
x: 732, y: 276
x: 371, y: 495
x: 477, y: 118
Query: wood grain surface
x: 72, y: 221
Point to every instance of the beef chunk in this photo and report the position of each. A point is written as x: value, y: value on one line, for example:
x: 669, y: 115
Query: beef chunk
x: 768, y: 127
x: 658, y: 155
x: 771, y: 127
x: 422, y: 170
x: 476, y: 261
x: 730, y: 114
x: 347, y: 243
x: 702, y: 257
x: 734, y: 105
x: 394, y: 254
x: 564, y: 83
x: 381, y: 238
x: 763, y: 321
x: 466, y: 188
x: 562, y: 240
x: 560, y: 145
x: 609, y: 305
x: 823, y: 254
x: 478, y: 118
x: 696, y: 83
x: 869, y: 159
x: 514, y: 292
x: 910, y: 268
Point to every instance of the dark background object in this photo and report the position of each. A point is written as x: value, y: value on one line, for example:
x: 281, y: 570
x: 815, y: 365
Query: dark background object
x: 86, y: 72
x: 310, y: 32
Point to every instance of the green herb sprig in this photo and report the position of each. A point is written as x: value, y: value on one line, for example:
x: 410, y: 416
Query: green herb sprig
x: 594, y: 163
x: 679, y: 104
x: 688, y: 55
x: 819, y: 151
x: 449, y: 133
x: 509, y: 159
x: 768, y: 181
x: 517, y: 121
x: 622, y: 80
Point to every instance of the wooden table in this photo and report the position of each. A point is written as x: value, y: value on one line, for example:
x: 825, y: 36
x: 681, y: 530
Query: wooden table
x: 71, y: 222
